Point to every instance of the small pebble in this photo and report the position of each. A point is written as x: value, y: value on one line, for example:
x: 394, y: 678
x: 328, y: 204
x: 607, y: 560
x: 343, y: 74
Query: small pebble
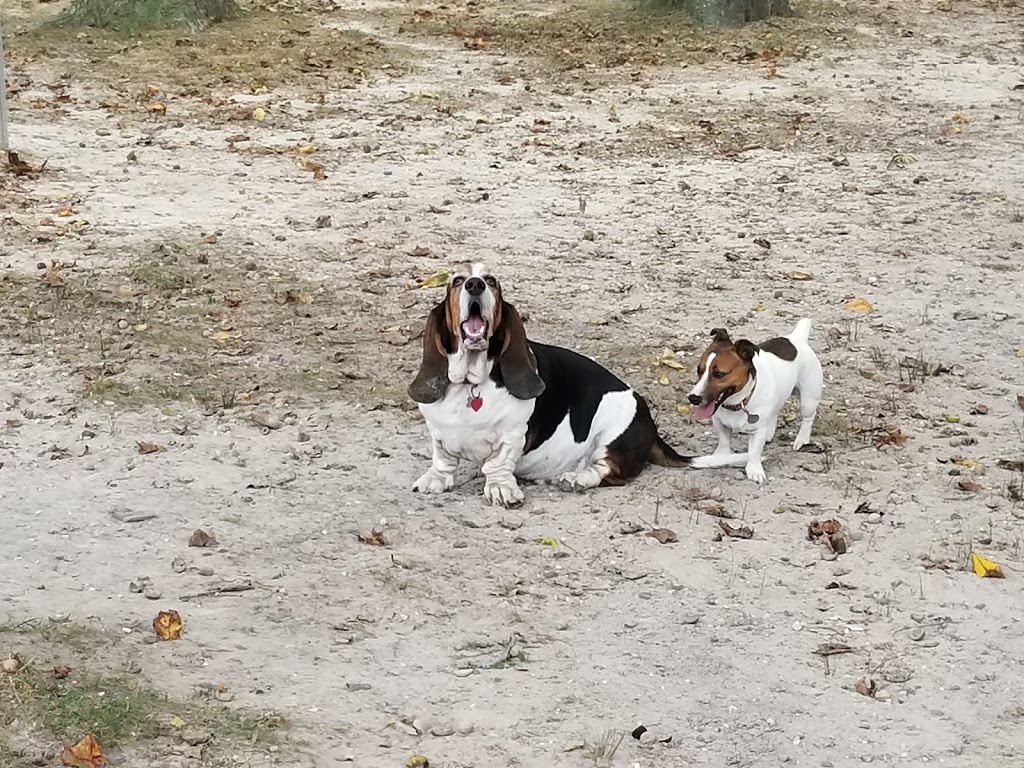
x: 204, y: 570
x: 917, y: 635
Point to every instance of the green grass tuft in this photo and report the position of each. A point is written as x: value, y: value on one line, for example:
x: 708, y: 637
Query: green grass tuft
x: 131, y: 16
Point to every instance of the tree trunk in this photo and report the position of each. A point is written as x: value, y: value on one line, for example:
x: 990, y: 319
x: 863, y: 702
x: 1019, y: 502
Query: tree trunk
x: 137, y: 15
x: 719, y: 14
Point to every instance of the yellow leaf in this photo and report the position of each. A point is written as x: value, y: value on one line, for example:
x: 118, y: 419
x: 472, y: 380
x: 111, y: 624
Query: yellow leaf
x: 952, y: 419
x: 669, y: 360
x: 858, y: 305
x: 546, y: 542
x: 177, y: 722
x: 306, y: 149
x: 759, y: 307
x: 969, y: 463
x: 155, y: 107
x: 799, y: 276
x: 141, y: 327
x: 436, y: 280
x: 67, y: 211
x: 258, y: 114
x: 985, y: 568
x: 167, y: 625
x: 663, y: 380
x: 220, y: 336
x: 684, y: 409
x: 1020, y: 351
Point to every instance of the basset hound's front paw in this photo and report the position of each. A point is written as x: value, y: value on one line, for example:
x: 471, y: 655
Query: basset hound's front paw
x: 503, y: 490
x: 433, y: 482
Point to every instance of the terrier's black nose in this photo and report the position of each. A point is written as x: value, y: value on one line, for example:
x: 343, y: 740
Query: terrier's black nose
x: 475, y: 286
x: 694, y: 399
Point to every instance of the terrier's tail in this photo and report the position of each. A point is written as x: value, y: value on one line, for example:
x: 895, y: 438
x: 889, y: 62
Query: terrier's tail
x: 802, y: 333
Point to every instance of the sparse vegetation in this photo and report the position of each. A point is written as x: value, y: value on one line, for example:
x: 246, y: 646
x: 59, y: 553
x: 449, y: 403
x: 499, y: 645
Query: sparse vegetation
x: 134, y: 16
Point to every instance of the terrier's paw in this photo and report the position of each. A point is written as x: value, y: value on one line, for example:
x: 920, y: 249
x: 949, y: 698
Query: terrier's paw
x: 756, y: 473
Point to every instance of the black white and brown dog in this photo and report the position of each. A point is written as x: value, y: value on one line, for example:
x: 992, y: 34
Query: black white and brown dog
x: 522, y: 409
x: 742, y: 388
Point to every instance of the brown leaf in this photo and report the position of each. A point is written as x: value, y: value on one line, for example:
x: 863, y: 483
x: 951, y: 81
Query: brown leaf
x: 763, y: 243
x: 12, y: 424
x: 818, y: 528
x: 799, y: 276
x: 866, y: 687
x: 663, y: 535
x: 85, y: 754
x: 831, y: 649
x: 717, y: 510
x: 979, y: 410
x: 232, y: 303
x: 891, y: 436
x: 736, y: 532
x: 966, y: 484
x: 167, y: 625
x: 20, y: 168
x: 1020, y: 402
x: 145, y: 447
x: 419, y: 251
x: 61, y: 672
x: 374, y: 538
x: 201, y: 538
x: 1014, y: 465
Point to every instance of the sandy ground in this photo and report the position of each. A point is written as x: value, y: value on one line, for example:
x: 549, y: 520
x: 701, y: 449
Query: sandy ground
x: 462, y: 638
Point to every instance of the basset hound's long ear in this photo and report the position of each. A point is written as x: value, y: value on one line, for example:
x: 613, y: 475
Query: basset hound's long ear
x: 518, y: 365
x: 431, y: 382
x: 745, y: 349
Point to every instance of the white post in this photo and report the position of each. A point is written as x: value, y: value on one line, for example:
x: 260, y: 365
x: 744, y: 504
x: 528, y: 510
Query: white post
x: 4, y: 145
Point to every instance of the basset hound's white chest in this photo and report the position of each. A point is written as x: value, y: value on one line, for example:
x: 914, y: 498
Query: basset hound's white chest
x: 476, y: 433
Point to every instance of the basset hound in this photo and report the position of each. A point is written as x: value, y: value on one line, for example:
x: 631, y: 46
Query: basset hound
x: 523, y: 409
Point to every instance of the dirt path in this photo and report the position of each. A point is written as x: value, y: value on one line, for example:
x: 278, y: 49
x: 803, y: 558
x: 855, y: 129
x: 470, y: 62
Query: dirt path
x: 885, y: 164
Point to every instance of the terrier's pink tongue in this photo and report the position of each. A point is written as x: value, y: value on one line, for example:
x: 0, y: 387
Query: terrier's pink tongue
x: 705, y: 411
x: 474, y: 326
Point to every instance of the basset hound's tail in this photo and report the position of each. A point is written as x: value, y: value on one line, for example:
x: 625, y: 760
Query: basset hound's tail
x: 664, y: 455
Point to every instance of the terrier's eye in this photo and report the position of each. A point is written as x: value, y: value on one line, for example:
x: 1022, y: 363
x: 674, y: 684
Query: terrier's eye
x: 718, y: 375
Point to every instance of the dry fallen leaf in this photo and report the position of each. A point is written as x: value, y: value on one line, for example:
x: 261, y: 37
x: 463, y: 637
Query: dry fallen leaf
x: 374, y: 538
x: 436, y: 280
x: 736, y: 532
x: 145, y: 447
x: 11, y: 665
x: 1014, y: 465
x: 167, y: 625
x: 858, y: 305
x: 892, y: 436
x: 85, y: 754
x: 985, y: 568
x: 663, y: 536
x: 968, y: 485
x: 831, y: 649
x: 62, y: 672
x: 201, y: 538
x: 259, y: 114
x: 669, y: 360
x: 155, y: 107
x: 866, y: 687
x: 799, y: 276
x: 664, y: 380
x: 1020, y: 402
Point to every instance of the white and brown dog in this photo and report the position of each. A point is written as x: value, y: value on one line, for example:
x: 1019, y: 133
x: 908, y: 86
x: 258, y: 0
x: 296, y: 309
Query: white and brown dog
x: 524, y: 410
x: 742, y: 387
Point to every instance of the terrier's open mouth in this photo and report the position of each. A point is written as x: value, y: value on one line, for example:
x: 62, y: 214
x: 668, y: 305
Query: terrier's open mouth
x: 707, y: 410
x: 474, y: 327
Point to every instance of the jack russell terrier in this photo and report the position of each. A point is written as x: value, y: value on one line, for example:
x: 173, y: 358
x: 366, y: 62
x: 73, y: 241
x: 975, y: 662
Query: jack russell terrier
x: 742, y: 388
x: 524, y: 410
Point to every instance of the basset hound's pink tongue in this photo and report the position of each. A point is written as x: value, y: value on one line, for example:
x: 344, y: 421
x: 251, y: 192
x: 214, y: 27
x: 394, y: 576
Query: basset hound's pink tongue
x: 705, y: 411
x: 474, y: 327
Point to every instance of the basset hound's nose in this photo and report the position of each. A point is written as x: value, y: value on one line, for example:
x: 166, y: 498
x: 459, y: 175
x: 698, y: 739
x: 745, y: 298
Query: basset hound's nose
x: 475, y: 286
x: 694, y: 399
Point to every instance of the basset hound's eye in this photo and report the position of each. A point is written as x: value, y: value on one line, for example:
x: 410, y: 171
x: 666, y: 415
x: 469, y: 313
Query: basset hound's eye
x: 491, y: 281
x: 718, y: 375
x: 458, y: 281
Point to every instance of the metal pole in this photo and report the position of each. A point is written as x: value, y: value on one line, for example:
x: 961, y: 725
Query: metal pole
x: 4, y: 145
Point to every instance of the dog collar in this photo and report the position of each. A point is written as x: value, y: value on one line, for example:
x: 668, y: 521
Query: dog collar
x: 752, y: 418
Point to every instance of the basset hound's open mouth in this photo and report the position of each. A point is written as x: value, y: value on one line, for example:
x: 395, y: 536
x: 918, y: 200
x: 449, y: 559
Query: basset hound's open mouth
x: 474, y: 327
x: 707, y: 410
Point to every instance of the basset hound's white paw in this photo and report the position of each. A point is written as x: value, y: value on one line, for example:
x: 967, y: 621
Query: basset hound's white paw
x: 756, y: 473
x: 503, y: 490
x: 433, y: 482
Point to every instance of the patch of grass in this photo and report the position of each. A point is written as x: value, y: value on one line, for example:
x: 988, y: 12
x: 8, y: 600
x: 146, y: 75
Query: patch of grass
x: 256, y: 52
x: 591, y: 38
x: 137, y: 15
x: 60, y: 691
